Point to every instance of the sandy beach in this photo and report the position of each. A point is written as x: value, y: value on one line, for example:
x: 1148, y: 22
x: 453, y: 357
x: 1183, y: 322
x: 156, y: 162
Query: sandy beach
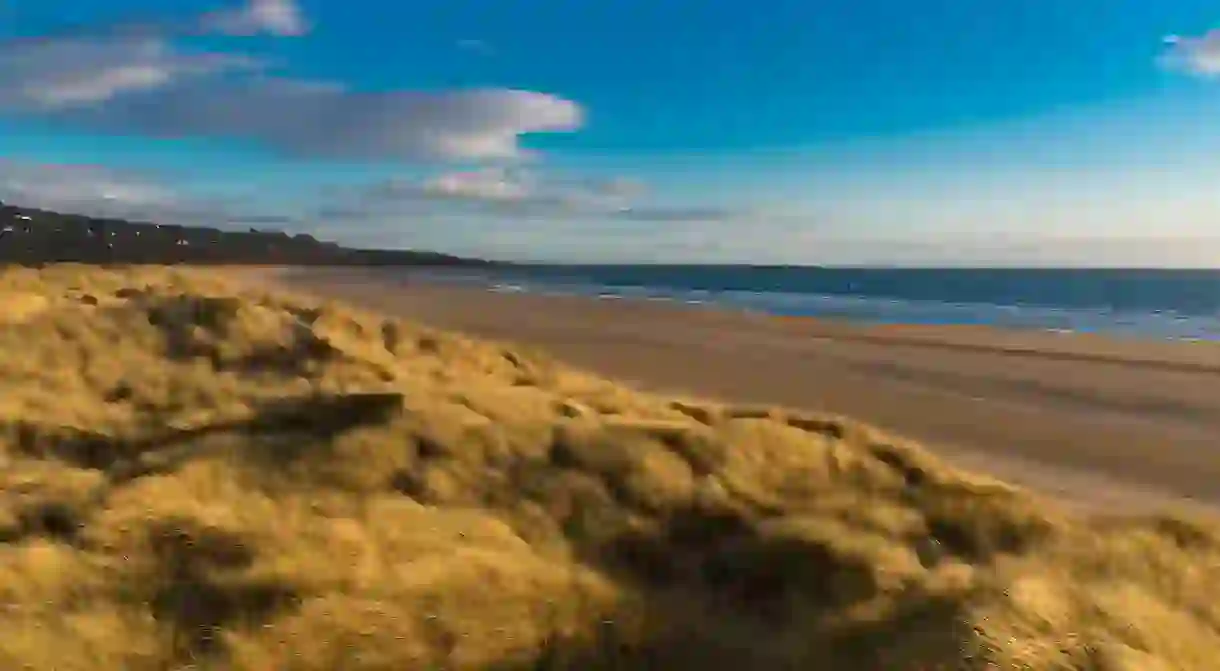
x: 1114, y: 424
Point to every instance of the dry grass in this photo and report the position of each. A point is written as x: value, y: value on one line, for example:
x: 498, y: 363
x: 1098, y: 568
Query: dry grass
x: 200, y: 476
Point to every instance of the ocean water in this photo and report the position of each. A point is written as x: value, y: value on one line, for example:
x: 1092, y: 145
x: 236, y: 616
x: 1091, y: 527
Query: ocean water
x: 1165, y: 304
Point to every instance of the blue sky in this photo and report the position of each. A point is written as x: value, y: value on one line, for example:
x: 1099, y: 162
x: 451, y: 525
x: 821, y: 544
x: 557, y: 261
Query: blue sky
x: 791, y: 131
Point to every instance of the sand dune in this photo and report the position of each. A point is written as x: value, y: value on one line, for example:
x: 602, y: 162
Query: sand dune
x: 202, y: 474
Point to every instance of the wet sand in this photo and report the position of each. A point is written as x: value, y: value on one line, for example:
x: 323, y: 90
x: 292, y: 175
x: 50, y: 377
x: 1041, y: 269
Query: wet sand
x: 1114, y: 424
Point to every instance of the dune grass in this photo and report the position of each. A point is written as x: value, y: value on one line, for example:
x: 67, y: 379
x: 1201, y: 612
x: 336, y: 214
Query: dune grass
x: 200, y: 475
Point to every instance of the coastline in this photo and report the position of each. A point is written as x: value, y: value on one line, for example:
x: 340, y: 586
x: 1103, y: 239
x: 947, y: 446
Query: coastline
x: 1104, y: 422
x: 1187, y: 355
x: 1169, y: 306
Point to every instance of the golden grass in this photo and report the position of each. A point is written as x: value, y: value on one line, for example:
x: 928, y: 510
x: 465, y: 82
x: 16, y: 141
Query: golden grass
x: 202, y: 476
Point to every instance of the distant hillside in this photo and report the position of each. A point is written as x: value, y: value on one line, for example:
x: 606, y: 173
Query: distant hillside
x: 30, y: 237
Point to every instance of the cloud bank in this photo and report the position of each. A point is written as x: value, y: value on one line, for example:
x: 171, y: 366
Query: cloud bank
x: 148, y: 81
x: 56, y: 75
x: 518, y: 193
x: 302, y: 119
x: 507, y: 191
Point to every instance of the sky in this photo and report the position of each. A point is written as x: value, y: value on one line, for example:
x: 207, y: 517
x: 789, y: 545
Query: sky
x: 879, y: 132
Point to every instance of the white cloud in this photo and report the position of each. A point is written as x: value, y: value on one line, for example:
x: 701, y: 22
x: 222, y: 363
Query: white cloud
x: 516, y: 186
x: 70, y: 72
x: 500, y: 200
x: 304, y: 119
x: 1195, y: 55
x: 275, y: 17
x: 510, y: 191
x: 493, y: 184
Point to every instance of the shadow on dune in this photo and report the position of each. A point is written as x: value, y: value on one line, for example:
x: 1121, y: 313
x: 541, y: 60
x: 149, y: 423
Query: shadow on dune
x: 716, y: 592
x: 322, y: 416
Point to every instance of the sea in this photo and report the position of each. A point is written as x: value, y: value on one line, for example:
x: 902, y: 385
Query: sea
x: 1160, y: 304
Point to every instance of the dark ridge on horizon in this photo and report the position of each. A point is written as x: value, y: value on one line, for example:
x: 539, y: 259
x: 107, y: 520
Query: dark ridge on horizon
x: 30, y: 236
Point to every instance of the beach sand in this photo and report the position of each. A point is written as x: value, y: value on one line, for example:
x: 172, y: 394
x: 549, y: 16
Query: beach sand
x: 1112, y: 424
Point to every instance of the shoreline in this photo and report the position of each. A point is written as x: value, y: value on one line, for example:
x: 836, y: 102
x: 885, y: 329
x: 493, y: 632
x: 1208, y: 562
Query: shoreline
x: 1108, y: 424
x: 1142, y: 326
x: 1179, y: 354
